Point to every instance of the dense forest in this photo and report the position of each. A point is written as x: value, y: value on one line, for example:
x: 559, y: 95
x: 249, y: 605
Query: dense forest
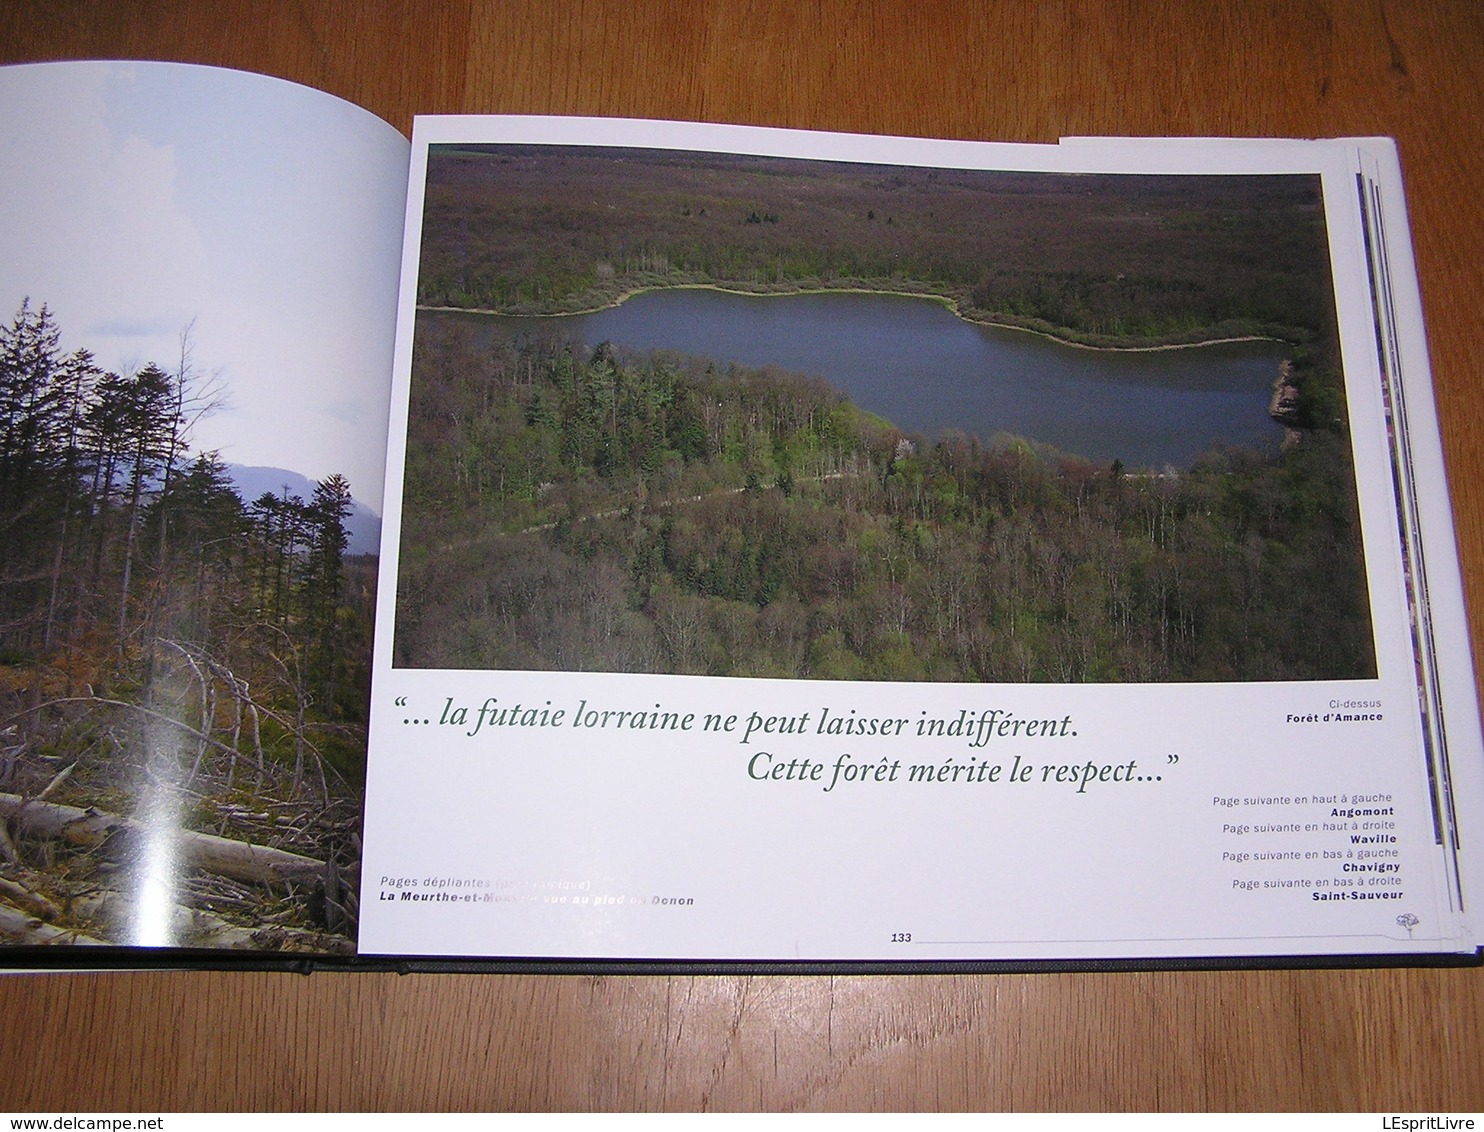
x: 168, y: 648
x: 1100, y: 259
x: 569, y: 508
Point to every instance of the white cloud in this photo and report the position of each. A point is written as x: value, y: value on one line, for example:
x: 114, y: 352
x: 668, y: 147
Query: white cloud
x: 137, y: 199
x: 92, y: 228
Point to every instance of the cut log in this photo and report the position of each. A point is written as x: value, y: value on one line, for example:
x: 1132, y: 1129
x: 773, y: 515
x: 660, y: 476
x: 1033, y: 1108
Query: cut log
x: 223, y: 856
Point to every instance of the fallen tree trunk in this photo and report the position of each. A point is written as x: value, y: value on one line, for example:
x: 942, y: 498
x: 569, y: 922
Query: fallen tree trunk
x: 223, y: 856
x: 31, y: 929
x: 196, y: 927
x: 26, y: 900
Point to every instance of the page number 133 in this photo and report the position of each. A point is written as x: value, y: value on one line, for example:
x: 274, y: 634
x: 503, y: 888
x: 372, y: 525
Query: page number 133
x: 901, y: 937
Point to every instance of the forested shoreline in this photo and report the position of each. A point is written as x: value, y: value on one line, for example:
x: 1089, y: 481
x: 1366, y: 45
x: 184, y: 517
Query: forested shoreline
x: 575, y: 509
x: 1098, y: 260
x: 1234, y: 332
x: 166, y: 643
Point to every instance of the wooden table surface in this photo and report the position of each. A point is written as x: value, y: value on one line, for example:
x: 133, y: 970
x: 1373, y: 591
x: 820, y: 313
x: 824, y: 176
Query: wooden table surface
x: 1391, y: 1039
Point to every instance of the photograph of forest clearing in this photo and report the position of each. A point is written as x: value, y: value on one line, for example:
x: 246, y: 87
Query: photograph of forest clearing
x: 613, y: 506
x: 184, y: 673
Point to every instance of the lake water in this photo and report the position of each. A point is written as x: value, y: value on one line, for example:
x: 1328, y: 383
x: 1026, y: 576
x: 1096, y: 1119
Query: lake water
x: 915, y: 363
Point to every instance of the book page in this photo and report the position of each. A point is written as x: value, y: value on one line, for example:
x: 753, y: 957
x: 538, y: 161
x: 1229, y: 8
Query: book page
x: 827, y: 548
x: 199, y: 283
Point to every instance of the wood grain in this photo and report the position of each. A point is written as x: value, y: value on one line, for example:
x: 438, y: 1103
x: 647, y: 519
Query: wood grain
x: 1394, y: 1040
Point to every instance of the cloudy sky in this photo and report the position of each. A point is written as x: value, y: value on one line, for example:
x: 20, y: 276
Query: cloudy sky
x: 139, y: 199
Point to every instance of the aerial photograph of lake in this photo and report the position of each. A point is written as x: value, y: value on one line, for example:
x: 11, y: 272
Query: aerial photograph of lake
x: 729, y: 415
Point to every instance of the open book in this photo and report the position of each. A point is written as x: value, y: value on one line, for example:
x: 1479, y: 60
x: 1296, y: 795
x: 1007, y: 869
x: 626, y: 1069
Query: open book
x: 795, y: 550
